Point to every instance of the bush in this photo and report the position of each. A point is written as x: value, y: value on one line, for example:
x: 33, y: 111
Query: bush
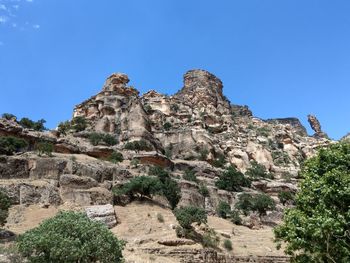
x: 285, y: 197
x: 317, y: 228
x: 70, y: 237
x: 116, y: 157
x: 203, y: 154
x: 203, y: 190
x: 4, y: 207
x: 96, y: 138
x: 245, y: 203
x: 174, y: 107
x: 210, y: 239
x: 189, y: 175
x: 228, y: 244
x: 167, y: 126
x: 232, y: 180
x: 257, y: 171
x: 45, y: 148
x: 134, y: 163
x: 79, y: 124
x: 109, y: 139
x: 220, y: 161
x: 186, y: 216
x: 141, y: 186
x: 140, y: 145
x: 8, y: 116
x: 10, y: 145
x: 169, y: 151
x: 223, y: 210
x: 35, y: 125
x: 64, y: 127
x: 160, y: 218
x: 262, y: 203
x: 235, y: 217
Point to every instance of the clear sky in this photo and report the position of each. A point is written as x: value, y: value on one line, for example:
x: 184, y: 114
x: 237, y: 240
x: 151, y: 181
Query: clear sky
x: 282, y: 58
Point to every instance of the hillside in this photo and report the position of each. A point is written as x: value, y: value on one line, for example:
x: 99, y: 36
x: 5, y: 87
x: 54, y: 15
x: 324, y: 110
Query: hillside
x: 197, y: 130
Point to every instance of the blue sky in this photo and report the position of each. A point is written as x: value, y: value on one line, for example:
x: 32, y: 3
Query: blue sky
x: 282, y: 58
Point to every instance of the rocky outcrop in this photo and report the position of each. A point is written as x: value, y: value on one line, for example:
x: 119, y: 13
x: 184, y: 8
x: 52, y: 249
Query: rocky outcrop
x: 102, y: 213
x: 316, y: 126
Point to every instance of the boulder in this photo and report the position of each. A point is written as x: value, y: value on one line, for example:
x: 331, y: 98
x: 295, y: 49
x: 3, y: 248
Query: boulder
x: 102, y: 213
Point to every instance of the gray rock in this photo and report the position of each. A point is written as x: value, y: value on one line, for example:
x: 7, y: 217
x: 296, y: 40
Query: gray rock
x: 102, y: 213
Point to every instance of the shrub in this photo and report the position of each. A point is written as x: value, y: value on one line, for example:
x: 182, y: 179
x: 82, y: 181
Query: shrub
x: 228, y: 244
x: 317, y: 228
x: 135, y: 162
x: 203, y: 154
x: 174, y: 107
x: 35, y: 125
x: 160, y: 218
x: 109, y: 139
x: 116, y: 157
x: 220, y: 161
x: 140, y: 145
x: 189, y: 175
x: 285, y: 197
x: 4, y: 207
x: 8, y: 116
x: 95, y: 138
x: 70, y: 237
x: 169, y: 151
x: 45, y: 148
x: 64, y: 127
x: 10, y: 145
x: 167, y: 126
x: 245, y: 203
x: 203, y: 190
x: 141, y: 186
x: 210, y: 239
x: 148, y: 108
x: 79, y: 124
x: 235, y: 217
x: 223, y: 210
x: 257, y: 171
x: 186, y: 216
x: 263, y: 131
x: 232, y: 180
x: 263, y: 203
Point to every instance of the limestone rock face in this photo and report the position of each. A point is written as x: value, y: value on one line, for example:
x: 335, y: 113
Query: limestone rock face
x: 316, y: 126
x: 102, y: 213
x: 203, y: 90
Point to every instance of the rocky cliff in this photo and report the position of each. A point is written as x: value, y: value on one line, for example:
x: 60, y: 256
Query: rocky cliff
x: 197, y: 128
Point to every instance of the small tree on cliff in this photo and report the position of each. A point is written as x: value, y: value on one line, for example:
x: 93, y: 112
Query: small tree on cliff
x: 318, y: 228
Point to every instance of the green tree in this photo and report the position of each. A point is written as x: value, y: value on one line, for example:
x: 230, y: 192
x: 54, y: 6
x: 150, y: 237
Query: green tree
x: 64, y: 127
x: 8, y: 116
x: 35, y: 125
x: 257, y: 171
x: 167, y: 126
x: 223, y: 210
x: 79, y: 124
x: 245, y: 203
x: 9, y: 145
x: 232, y: 180
x: 45, y: 148
x: 141, y: 186
x: 4, y: 207
x: 116, y: 157
x: 186, y: 216
x: 317, y: 228
x: 285, y: 197
x: 263, y: 203
x: 70, y: 237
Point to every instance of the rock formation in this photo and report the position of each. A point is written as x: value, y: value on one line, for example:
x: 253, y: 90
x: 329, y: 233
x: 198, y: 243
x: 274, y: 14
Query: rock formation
x: 196, y: 129
x: 316, y: 126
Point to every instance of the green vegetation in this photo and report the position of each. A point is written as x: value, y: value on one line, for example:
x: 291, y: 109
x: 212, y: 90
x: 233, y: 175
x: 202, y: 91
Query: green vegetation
x: 169, y: 151
x: 228, y: 244
x: 96, y: 138
x: 137, y: 146
x: 116, y: 157
x: 10, y: 145
x: 4, y: 207
x: 167, y: 126
x: 317, y: 228
x: 210, y: 239
x: 190, y: 175
x: 258, y: 171
x: 8, y: 116
x: 44, y: 148
x: 159, y: 183
x: 286, y: 197
x: 79, y: 124
x: 148, y: 108
x: 219, y: 161
x: 64, y: 127
x: 135, y: 162
x: 223, y: 210
x: 70, y: 237
x: 34, y: 125
x: 174, y: 107
x: 203, y: 190
x: 160, y: 218
x: 235, y: 217
x: 203, y: 154
x: 263, y: 131
x: 232, y: 180
x: 186, y: 216
x: 260, y: 203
